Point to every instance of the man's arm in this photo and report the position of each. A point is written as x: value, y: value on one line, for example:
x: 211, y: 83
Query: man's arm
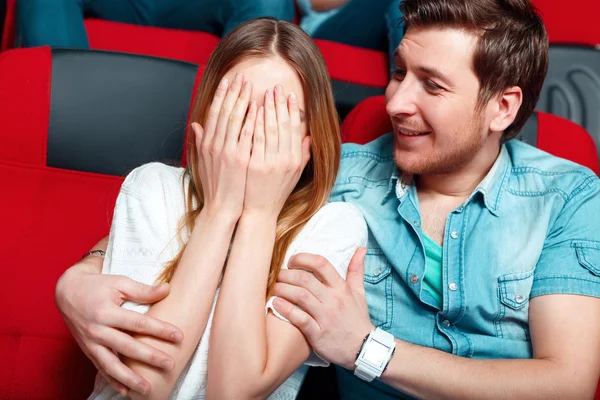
x: 564, y: 365
x: 335, y: 318
x: 89, y: 302
x: 326, y: 5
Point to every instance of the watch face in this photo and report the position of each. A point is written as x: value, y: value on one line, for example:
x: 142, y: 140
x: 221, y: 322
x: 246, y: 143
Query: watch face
x: 377, y: 353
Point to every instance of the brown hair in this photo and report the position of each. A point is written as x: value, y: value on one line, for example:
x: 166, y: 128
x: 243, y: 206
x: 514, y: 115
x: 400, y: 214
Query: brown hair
x: 512, y: 48
x: 262, y: 38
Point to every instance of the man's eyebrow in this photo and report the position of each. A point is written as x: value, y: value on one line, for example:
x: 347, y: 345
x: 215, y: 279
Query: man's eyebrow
x: 434, y: 72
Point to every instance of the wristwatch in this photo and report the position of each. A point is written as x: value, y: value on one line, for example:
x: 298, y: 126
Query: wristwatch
x: 374, y: 355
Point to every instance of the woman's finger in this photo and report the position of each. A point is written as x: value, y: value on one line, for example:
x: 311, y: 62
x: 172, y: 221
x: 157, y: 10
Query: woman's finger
x: 198, y: 134
x: 226, y: 109
x: 295, y: 127
x: 245, y: 142
x: 236, y: 119
x: 283, y: 121
x: 258, y: 139
x: 215, y: 110
x: 271, y: 129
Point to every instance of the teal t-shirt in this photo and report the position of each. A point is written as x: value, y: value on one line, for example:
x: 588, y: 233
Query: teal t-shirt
x: 432, y: 281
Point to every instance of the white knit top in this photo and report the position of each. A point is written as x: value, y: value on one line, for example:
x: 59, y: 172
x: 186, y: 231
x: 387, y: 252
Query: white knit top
x: 144, y: 237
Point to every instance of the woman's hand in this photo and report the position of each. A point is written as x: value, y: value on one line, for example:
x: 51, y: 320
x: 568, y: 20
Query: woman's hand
x: 279, y: 154
x: 224, y: 147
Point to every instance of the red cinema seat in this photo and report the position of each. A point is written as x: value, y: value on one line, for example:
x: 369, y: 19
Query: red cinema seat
x: 60, y: 175
x: 356, y: 73
x: 573, y: 22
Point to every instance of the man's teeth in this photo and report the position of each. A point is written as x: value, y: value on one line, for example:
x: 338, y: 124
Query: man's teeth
x: 410, y: 133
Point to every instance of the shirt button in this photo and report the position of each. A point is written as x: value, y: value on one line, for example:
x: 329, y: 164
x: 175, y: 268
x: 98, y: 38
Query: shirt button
x: 417, y: 224
x: 414, y: 279
x: 454, y: 235
x: 377, y: 272
x: 453, y: 286
x: 519, y: 299
x: 446, y: 323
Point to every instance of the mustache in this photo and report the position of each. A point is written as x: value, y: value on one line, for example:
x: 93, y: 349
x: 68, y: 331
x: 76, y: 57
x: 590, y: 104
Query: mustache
x: 410, y: 125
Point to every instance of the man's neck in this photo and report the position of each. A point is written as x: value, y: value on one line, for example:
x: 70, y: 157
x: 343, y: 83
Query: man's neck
x: 461, y: 183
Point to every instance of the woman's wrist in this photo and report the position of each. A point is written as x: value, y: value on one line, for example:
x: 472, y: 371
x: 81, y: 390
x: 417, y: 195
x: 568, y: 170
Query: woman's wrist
x: 262, y: 217
x: 216, y: 217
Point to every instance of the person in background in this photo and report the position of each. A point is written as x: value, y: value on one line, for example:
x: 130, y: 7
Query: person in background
x: 59, y: 23
x: 371, y: 24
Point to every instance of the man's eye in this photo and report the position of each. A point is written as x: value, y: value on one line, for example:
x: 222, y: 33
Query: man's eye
x: 431, y: 85
x: 400, y: 73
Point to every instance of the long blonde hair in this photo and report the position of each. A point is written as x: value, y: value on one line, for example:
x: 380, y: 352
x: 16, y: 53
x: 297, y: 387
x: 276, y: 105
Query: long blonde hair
x: 258, y: 38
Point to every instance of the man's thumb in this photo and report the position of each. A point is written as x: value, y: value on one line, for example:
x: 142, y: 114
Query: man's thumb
x: 143, y: 294
x: 356, y: 270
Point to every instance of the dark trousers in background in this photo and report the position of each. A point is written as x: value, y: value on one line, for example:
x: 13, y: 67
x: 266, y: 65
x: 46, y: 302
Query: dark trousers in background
x: 59, y: 23
x: 372, y: 24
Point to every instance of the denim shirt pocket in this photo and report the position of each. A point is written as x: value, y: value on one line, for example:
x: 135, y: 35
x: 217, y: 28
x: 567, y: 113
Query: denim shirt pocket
x: 588, y: 254
x: 378, y: 287
x: 514, y: 290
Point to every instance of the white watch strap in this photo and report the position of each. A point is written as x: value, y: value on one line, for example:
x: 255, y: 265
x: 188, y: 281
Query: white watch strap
x: 367, y: 371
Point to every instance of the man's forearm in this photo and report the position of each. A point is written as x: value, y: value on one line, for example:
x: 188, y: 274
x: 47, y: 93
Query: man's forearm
x: 432, y: 374
x: 326, y: 5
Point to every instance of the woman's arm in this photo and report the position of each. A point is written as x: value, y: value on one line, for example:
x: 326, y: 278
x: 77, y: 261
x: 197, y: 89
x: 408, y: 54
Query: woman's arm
x: 245, y: 342
x: 251, y: 353
x: 188, y: 305
x: 223, y: 155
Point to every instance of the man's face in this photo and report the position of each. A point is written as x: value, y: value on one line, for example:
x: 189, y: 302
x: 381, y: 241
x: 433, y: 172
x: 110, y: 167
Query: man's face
x: 432, y: 101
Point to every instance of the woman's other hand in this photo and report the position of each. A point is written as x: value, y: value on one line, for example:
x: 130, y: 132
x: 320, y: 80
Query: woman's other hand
x: 279, y: 154
x: 224, y: 146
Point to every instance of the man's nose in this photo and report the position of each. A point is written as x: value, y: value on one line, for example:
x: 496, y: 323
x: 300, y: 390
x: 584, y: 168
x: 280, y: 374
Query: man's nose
x: 403, y: 99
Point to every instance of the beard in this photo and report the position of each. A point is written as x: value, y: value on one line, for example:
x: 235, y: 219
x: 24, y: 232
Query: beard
x: 457, y: 153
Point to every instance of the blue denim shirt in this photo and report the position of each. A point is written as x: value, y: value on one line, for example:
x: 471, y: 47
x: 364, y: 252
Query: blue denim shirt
x: 531, y: 228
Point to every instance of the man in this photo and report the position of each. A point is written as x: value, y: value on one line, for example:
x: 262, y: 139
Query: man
x: 483, y: 263
x: 482, y: 270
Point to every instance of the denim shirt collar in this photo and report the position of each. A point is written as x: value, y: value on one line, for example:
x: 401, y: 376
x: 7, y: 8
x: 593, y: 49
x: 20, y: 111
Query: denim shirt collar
x: 491, y: 187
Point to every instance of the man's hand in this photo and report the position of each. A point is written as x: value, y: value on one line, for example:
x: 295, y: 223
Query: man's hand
x: 332, y: 313
x: 90, y: 305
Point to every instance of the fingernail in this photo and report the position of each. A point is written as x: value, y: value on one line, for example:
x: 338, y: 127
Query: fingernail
x: 175, y: 336
x: 238, y: 77
x: 277, y: 302
x: 247, y: 85
x: 142, y: 388
x: 279, y: 88
x: 168, y: 365
x: 293, y: 98
x: 269, y: 93
x: 224, y: 83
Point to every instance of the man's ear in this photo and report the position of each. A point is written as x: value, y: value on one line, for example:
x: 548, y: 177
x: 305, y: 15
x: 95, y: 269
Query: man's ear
x: 508, y: 106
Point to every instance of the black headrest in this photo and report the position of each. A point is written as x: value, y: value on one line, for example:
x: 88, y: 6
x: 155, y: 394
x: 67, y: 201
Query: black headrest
x: 111, y: 112
x: 572, y: 87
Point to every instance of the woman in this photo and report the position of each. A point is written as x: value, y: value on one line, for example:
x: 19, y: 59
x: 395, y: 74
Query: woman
x: 260, y: 163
